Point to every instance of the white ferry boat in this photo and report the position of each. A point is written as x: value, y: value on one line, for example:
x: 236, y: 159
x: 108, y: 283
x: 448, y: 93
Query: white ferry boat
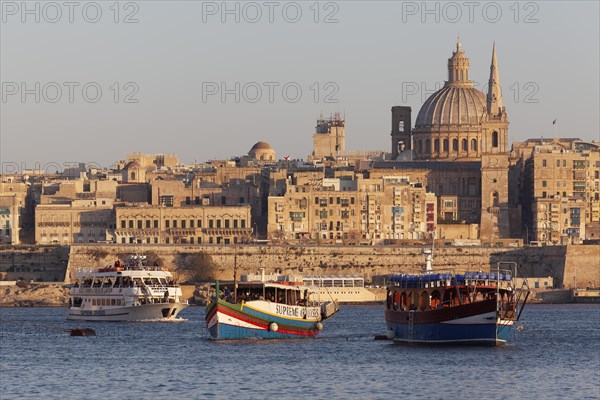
x: 129, y: 291
x: 340, y: 289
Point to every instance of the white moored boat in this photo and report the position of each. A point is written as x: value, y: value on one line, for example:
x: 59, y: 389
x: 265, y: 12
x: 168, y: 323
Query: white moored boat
x: 127, y: 291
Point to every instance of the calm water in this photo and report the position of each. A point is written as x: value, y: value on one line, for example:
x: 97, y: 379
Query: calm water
x: 557, y: 355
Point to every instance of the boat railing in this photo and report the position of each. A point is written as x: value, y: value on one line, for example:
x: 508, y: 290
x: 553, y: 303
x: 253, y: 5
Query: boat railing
x: 500, y: 277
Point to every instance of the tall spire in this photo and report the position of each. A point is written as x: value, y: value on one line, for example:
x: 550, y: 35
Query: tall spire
x: 494, y: 95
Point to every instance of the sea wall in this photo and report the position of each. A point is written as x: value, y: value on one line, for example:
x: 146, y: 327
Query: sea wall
x: 569, y: 265
x: 33, y: 263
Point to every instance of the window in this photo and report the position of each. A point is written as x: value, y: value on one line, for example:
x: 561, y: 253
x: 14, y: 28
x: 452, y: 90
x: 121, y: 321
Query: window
x: 436, y: 145
x: 191, y: 223
x: 543, y: 183
x: 242, y: 200
x: 199, y: 223
x: 226, y: 223
x: 235, y: 223
x: 446, y: 145
x: 147, y: 224
x: 243, y: 223
x: 166, y: 201
x: 167, y: 224
x: 139, y: 224
x: 123, y: 224
x: 188, y: 200
x: 174, y: 223
x: 401, y: 126
x: 544, y: 163
x: 455, y: 145
x: 197, y: 200
x: 465, y: 145
x: 427, y: 146
x: 495, y: 139
x: 130, y: 224
x: 155, y: 224
x: 218, y: 223
x: 183, y: 224
x: 223, y: 200
x: 474, y: 144
x: 210, y: 223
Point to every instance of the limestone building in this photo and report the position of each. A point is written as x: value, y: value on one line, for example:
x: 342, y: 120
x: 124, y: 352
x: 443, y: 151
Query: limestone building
x: 79, y: 211
x: 351, y: 210
x: 159, y: 224
x: 461, y: 137
x: 561, y: 187
x: 329, y: 139
x: 13, y: 194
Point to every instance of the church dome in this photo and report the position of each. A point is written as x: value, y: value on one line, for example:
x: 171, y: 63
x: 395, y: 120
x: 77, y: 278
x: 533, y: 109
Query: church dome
x: 262, y: 151
x: 452, y: 106
x: 458, y: 103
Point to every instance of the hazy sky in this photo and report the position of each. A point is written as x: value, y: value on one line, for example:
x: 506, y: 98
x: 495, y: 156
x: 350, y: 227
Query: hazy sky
x: 186, y: 77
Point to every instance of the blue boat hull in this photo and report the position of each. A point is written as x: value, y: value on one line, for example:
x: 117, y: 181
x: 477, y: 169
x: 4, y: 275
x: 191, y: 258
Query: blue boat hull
x: 441, y: 333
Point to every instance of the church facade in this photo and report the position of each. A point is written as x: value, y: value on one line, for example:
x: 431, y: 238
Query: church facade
x: 461, y: 126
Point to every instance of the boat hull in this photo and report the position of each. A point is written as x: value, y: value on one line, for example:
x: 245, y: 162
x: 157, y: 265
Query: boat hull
x: 146, y: 312
x: 475, y: 323
x: 247, y: 321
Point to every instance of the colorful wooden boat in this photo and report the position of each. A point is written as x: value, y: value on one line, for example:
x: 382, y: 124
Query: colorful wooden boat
x: 449, y: 308
x: 266, y: 310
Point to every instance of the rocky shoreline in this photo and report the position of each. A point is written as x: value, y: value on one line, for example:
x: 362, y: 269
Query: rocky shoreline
x: 29, y: 294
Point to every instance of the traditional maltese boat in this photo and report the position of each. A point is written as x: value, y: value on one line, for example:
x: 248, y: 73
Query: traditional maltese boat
x: 266, y: 310
x: 450, y: 308
x: 129, y: 291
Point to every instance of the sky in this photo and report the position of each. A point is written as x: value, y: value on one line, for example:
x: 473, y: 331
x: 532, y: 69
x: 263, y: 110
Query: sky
x: 94, y: 81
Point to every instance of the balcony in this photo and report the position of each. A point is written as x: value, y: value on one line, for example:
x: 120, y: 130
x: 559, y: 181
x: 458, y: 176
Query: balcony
x: 228, y: 231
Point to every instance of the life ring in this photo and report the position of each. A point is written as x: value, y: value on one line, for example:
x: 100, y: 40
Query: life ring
x: 273, y: 327
x: 319, y: 326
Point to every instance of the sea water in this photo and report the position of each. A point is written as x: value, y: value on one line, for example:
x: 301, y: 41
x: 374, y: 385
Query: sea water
x: 555, y: 355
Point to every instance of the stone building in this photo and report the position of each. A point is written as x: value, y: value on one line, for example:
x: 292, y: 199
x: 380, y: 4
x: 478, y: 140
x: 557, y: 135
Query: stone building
x: 75, y: 211
x: 13, y: 194
x: 561, y: 187
x: 351, y: 211
x: 158, y: 224
x: 460, y: 147
x: 329, y: 139
x: 78, y: 221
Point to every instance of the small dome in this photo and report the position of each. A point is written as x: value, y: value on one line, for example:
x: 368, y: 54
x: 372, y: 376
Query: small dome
x: 133, y: 164
x: 261, y: 146
x: 262, y: 151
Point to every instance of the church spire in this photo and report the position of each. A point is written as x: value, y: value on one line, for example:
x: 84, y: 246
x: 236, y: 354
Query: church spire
x: 494, y: 95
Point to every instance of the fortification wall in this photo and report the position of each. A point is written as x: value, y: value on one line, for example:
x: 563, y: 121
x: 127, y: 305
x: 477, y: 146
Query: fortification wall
x: 37, y: 263
x: 561, y: 262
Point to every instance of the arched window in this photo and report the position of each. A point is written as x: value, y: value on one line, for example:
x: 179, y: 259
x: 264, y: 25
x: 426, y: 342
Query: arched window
x: 428, y: 146
x: 455, y: 145
x: 133, y: 176
x: 465, y: 145
x: 446, y: 145
x: 474, y: 144
x: 494, y: 139
x: 495, y: 199
x: 436, y: 145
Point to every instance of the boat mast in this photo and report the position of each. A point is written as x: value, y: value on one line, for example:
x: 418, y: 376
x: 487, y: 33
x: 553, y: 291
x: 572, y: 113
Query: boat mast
x: 235, y: 277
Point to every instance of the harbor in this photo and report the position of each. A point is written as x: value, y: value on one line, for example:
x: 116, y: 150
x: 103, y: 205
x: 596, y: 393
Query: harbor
x: 179, y: 360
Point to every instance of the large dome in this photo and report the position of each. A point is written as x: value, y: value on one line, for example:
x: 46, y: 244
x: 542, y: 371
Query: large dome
x: 453, y: 105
